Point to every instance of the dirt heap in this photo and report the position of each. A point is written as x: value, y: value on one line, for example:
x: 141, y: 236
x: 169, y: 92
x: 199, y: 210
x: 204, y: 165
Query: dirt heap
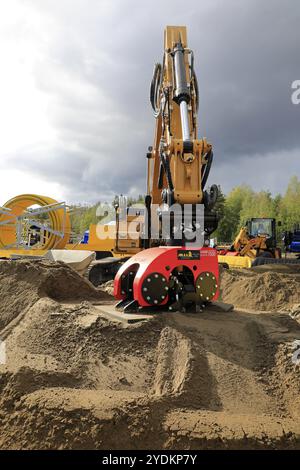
x: 108, y: 287
x: 74, y: 379
x: 263, y: 291
x: 23, y: 282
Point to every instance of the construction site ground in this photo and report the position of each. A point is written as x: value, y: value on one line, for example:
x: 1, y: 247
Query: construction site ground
x: 74, y: 378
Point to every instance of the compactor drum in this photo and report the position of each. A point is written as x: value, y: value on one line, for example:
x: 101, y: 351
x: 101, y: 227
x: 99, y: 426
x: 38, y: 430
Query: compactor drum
x: 168, y: 277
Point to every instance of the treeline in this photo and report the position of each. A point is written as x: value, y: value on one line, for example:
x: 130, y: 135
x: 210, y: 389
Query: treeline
x: 82, y: 217
x: 240, y: 204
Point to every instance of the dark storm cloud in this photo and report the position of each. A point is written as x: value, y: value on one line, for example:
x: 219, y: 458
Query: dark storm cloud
x: 96, y: 66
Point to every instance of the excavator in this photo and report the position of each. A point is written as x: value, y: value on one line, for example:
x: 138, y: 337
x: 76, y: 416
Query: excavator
x: 168, y: 269
x: 160, y: 253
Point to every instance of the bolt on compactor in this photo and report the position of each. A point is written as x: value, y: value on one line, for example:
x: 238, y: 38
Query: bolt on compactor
x: 168, y: 271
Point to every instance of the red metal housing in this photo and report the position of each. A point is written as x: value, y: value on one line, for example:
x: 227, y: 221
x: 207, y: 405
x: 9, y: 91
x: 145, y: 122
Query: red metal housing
x: 163, y: 260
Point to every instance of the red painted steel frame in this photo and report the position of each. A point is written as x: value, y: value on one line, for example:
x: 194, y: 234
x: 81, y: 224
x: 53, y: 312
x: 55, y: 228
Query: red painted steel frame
x: 158, y: 260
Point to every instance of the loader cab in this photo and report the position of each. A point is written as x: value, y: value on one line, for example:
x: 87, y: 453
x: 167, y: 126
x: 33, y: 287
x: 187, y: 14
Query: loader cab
x: 263, y: 227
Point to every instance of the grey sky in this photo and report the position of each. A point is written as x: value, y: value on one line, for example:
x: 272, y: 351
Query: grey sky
x: 77, y: 118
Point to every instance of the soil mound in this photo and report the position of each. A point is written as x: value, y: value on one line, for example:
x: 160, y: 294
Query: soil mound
x: 74, y: 379
x: 23, y: 282
x: 262, y: 291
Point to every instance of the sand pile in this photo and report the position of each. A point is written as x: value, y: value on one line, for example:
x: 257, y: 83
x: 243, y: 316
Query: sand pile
x: 74, y: 379
x: 23, y: 282
x: 108, y: 287
x: 262, y: 291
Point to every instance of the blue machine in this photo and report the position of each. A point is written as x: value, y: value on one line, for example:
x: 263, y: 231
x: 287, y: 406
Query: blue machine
x: 292, y: 240
x: 295, y: 243
x: 86, y: 237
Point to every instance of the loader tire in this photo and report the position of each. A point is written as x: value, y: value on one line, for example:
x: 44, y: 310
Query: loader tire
x: 224, y: 265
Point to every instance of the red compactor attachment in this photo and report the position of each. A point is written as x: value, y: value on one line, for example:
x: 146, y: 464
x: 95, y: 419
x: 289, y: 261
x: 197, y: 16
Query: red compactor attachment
x: 172, y: 278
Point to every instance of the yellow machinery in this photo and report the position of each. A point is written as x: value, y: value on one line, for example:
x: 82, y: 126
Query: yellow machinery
x: 255, y: 244
x: 179, y: 162
x: 31, y: 225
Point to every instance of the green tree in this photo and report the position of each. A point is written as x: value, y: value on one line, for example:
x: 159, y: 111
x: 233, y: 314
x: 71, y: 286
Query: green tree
x: 82, y: 217
x: 257, y: 205
x: 220, y: 210
x: 234, y: 203
x: 289, y: 207
x: 241, y: 204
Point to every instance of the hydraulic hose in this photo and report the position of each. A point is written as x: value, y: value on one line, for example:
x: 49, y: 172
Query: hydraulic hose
x: 206, y: 169
x: 155, y: 89
x: 166, y: 166
x: 196, y: 89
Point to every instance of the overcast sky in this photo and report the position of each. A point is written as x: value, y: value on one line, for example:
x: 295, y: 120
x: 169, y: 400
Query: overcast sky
x: 75, y: 119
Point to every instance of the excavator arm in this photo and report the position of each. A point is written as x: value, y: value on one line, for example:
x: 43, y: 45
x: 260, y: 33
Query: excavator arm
x: 179, y: 162
x: 175, y: 161
x: 174, y: 275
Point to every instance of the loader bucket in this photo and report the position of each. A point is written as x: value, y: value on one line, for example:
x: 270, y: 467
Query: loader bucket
x: 235, y: 261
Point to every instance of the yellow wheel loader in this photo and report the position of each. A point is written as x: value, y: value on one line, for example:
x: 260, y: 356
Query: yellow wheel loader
x: 255, y: 245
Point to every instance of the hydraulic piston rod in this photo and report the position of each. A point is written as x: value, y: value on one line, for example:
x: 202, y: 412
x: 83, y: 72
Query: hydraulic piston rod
x: 184, y: 121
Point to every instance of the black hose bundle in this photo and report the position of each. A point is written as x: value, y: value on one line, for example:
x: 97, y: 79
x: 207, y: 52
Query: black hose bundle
x: 206, y: 169
x: 194, y: 83
x: 155, y: 89
x: 211, y: 196
x: 166, y: 166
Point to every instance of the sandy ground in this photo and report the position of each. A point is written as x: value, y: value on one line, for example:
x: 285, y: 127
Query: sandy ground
x: 75, y: 379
